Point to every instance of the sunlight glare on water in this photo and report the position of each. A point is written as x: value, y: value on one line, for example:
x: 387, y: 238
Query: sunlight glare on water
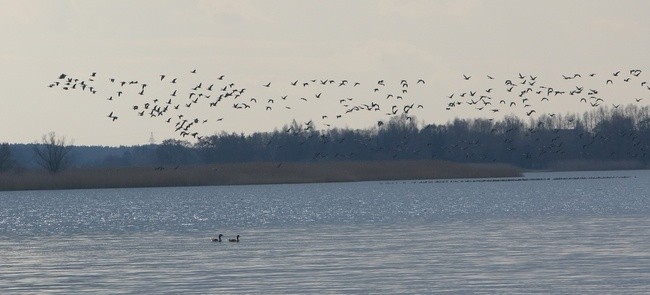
x: 554, y: 236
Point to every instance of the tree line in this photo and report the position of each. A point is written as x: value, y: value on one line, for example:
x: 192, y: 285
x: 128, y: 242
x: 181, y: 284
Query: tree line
x: 603, y: 134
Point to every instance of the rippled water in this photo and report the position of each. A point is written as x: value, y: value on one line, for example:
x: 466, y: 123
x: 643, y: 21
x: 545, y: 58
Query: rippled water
x: 538, y: 236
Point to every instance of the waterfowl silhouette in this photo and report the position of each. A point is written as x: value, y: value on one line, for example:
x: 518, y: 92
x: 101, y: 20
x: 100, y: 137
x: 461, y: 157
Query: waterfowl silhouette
x: 217, y: 239
x: 236, y: 240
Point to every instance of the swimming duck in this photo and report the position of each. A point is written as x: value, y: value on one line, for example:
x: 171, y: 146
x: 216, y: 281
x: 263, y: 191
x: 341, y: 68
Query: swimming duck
x: 234, y: 240
x: 217, y: 239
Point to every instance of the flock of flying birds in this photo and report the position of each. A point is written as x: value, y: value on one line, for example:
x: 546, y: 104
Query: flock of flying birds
x: 521, y: 94
x: 175, y: 107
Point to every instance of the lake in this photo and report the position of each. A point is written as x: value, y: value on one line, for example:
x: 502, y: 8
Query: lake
x: 569, y: 232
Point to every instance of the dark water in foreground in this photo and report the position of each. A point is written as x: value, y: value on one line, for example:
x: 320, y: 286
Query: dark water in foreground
x: 543, y: 236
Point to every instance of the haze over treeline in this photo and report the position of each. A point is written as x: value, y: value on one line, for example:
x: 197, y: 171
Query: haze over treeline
x: 603, y: 135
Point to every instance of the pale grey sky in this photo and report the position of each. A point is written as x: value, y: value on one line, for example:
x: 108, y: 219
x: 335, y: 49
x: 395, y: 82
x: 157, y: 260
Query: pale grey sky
x: 256, y: 42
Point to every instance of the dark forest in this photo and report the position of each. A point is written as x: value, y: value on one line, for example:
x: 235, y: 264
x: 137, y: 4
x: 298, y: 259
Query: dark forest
x: 602, y: 138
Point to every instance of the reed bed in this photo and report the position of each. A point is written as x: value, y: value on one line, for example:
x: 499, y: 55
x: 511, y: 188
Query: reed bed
x: 250, y: 173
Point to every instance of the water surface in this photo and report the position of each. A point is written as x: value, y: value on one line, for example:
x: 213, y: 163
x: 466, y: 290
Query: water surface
x: 566, y: 235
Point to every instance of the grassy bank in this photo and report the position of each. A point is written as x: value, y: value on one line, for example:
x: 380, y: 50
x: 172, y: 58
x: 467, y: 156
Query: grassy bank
x: 250, y: 173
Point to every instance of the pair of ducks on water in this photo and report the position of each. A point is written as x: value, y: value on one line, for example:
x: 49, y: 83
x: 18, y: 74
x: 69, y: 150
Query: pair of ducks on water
x: 236, y: 240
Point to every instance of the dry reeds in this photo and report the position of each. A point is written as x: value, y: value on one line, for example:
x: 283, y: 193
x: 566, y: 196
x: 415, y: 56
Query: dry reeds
x: 250, y: 173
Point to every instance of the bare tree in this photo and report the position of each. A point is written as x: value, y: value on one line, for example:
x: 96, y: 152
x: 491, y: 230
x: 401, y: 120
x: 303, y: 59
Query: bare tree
x: 51, y: 153
x: 5, y: 157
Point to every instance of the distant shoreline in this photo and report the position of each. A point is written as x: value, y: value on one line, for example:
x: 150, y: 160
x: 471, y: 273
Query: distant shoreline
x: 252, y: 173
